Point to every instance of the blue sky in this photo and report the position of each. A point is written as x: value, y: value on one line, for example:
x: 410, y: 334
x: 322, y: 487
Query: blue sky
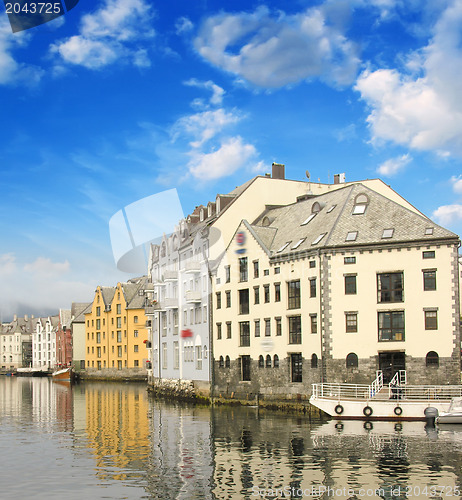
x: 121, y: 99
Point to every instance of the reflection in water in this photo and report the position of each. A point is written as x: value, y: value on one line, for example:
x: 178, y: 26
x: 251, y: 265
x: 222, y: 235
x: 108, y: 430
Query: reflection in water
x: 108, y: 440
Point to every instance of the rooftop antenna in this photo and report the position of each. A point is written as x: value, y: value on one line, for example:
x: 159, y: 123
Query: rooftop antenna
x: 309, y: 182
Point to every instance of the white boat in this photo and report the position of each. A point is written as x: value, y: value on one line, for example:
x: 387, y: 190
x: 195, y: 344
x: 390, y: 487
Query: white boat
x: 63, y: 375
x: 378, y: 401
x: 453, y: 415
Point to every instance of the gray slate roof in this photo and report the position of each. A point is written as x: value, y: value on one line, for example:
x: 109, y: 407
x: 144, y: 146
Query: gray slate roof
x: 78, y: 310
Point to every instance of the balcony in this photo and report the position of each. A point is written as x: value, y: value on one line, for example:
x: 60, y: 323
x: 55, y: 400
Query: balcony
x: 193, y: 297
x: 170, y: 276
x: 192, y: 266
x: 170, y: 303
x: 149, y: 310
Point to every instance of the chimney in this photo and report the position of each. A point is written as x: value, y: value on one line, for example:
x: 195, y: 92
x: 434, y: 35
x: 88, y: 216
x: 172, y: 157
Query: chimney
x: 26, y: 317
x: 339, y: 179
x: 278, y: 171
x: 15, y: 317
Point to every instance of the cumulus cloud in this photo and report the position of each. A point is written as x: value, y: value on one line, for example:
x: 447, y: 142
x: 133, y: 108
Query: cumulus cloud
x: 11, y: 71
x: 272, y: 50
x: 217, y: 91
x: 457, y: 184
x: 183, y: 25
x: 448, y: 215
x: 44, y: 265
x: 109, y: 34
x: 421, y: 107
x: 394, y: 165
x: 232, y: 155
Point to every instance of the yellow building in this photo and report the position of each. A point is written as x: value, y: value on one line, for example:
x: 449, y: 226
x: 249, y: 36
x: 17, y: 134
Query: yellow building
x: 115, y: 330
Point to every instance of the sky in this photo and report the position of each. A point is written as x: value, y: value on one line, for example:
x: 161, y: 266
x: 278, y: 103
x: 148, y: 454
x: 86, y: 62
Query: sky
x: 121, y: 99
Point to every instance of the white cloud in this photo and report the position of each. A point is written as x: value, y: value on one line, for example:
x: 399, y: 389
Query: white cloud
x: 274, y: 50
x: 205, y: 125
x: 109, y: 34
x: 183, y: 25
x: 232, y: 155
x: 422, y: 108
x: 394, y: 165
x: 11, y: 71
x: 448, y: 215
x: 457, y: 184
x: 44, y: 265
x: 7, y: 264
x: 217, y: 91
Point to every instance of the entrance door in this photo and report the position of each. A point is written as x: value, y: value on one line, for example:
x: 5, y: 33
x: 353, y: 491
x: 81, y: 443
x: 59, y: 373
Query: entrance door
x: 390, y: 363
x: 245, y: 360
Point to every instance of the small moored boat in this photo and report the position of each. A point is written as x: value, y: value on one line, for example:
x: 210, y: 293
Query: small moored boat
x: 378, y: 401
x: 64, y: 375
x: 453, y: 415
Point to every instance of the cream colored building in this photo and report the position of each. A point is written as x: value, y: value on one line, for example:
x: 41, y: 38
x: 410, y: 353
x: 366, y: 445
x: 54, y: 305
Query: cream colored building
x: 337, y: 284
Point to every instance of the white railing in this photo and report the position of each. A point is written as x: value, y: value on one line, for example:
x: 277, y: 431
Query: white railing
x: 408, y: 392
x: 376, y: 385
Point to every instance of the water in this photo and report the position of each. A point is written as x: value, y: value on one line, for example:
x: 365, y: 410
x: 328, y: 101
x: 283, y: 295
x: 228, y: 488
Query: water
x: 112, y: 441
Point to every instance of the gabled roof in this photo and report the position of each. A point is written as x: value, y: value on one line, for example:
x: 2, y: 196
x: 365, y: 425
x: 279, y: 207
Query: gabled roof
x: 78, y: 310
x: 295, y: 234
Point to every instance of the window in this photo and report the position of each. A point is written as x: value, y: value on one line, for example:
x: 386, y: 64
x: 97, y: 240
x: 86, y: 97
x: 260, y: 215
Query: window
x: 266, y: 272
x: 314, y: 361
x: 228, y: 329
x: 351, y: 236
x: 314, y: 323
x: 98, y: 310
x: 352, y: 360
x: 164, y: 355
x: 266, y: 292
x: 294, y: 295
x: 218, y: 331
x: 221, y: 362
x: 244, y: 301
x: 268, y: 361
x: 387, y: 233
x: 432, y: 359
x: 349, y: 260
x: 243, y: 272
x: 257, y: 328
x: 135, y: 348
x: 284, y: 246
x: 277, y: 270
x: 350, y: 284
x: 278, y: 326
x: 256, y: 293
x: 428, y: 231
x: 429, y: 279
x: 359, y: 209
x: 351, y: 321
x: 218, y: 294
x: 244, y: 333
x: 228, y: 298
x: 312, y: 287
x: 277, y: 292
x: 227, y: 274
x: 198, y: 357
x: 261, y: 361
x: 98, y: 352
x: 430, y: 254
x: 296, y: 365
x: 295, y: 329
x: 276, y: 361
x: 390, y: 287
x: 245, y: 368
x: 119, y: 322
x: 98, y: 337
x: 312, y: 264
x: 119, y: 308
x: 391, y: 326
x: 310, y: 218
x: 204, y: 314
x: 431, y: 320
x: 331, y: 208
x: 267, y: 327
x: 318, y: 239
x: 119, y: 351
x: 227, y: 362
x: 299, y: 242
x: 176, y: 355
x: 256, y: 269
x: 119, y: 336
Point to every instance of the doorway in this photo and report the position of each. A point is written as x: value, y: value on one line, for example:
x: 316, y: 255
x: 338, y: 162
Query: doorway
x: 391, y: 362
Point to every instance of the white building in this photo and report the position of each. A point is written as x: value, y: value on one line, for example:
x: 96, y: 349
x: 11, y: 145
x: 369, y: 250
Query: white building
x: 44, y: 342
x: 15, y: 343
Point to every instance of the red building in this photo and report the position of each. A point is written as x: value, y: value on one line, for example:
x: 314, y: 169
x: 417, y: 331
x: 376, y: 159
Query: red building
x: 64, y: 339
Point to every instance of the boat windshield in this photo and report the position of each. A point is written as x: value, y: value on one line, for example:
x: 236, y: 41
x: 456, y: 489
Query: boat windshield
x: 456, y: 405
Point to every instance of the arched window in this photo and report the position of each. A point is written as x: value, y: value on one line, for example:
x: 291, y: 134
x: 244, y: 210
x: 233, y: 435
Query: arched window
x: 227, y: 362
x: 261, y: 362
x: 221, y: 363
x: 352, y: 360
x: 314, y: 361
x: 432, y: 359
x: 361, y: 202
x: 268, y: 361
x: 276, y: 361
x: 205, y: 352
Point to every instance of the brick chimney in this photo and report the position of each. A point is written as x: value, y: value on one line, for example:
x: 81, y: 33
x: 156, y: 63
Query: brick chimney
x: 278, y: 171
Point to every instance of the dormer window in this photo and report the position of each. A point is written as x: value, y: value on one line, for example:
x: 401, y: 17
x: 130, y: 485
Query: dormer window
x: 310, y: 218
x: 202, y: 214
x: 428, y: 231
x: 331, y: 208
x: 351, y: 236
x: 299, y: 242
x: 315, y: 208
x: 388, y: 233
x: 361, y: 202
x: 318, y: 239
x: 284, y: 246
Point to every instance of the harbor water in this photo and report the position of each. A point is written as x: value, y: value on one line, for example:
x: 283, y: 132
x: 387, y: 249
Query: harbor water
x: 113, y: 441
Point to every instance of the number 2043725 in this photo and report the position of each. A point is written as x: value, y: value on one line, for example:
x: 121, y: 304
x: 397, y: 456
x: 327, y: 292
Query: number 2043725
x: 33, y: 8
